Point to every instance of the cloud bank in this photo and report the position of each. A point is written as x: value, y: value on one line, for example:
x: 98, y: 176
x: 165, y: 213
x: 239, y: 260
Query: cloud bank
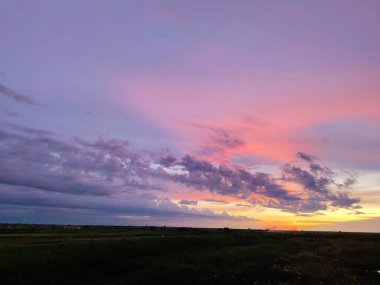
x: 45, y: 171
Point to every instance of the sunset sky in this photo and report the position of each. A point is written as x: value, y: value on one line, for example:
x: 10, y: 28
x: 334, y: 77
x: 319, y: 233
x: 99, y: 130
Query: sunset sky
x: 241, y: 114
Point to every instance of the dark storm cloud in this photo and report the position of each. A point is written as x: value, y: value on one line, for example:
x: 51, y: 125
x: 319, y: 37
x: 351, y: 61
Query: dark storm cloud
x: 16, y: 96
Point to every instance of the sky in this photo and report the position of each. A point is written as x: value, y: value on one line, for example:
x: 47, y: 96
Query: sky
x: 241, y: 114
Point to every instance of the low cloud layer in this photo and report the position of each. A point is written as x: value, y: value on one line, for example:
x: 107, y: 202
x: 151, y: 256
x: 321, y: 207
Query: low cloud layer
x: 35, y: 161
x: 117, y: 207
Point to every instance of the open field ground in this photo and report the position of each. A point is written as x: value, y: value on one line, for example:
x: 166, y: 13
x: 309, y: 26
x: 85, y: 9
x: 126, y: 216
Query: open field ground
x: 152, y: 255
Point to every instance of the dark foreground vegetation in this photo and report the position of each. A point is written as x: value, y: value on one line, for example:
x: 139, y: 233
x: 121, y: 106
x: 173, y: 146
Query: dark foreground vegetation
x: 149, y: 255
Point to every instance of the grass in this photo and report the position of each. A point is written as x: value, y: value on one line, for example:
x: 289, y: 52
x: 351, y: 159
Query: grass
x: 148, y: 255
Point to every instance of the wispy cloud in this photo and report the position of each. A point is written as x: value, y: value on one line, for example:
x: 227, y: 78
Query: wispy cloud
x: 188, y: 202
x: 306, y: 157
x: 16, y: 96
x: 9, y: 113
x: 219, y: 141
x: 216, y: 201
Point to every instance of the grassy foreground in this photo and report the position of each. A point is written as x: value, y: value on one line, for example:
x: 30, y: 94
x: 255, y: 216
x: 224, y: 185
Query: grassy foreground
x: 149, y: 255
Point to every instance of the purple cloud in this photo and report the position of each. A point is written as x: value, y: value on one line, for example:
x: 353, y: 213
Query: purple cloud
x: 115, y: 209
x: 216, y: 201
x: 219, y: 140
x: 15, y: 96
x: 319, y: 181
x: 305, y: 178
x: 10, y: 113
x: 230, y: 181
x: 188, y: 202
x: 107, y: 167
x: 306, y: 157
x: 168, y: 161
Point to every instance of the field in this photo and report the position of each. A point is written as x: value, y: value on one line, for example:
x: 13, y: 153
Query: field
x: 160, y: 255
